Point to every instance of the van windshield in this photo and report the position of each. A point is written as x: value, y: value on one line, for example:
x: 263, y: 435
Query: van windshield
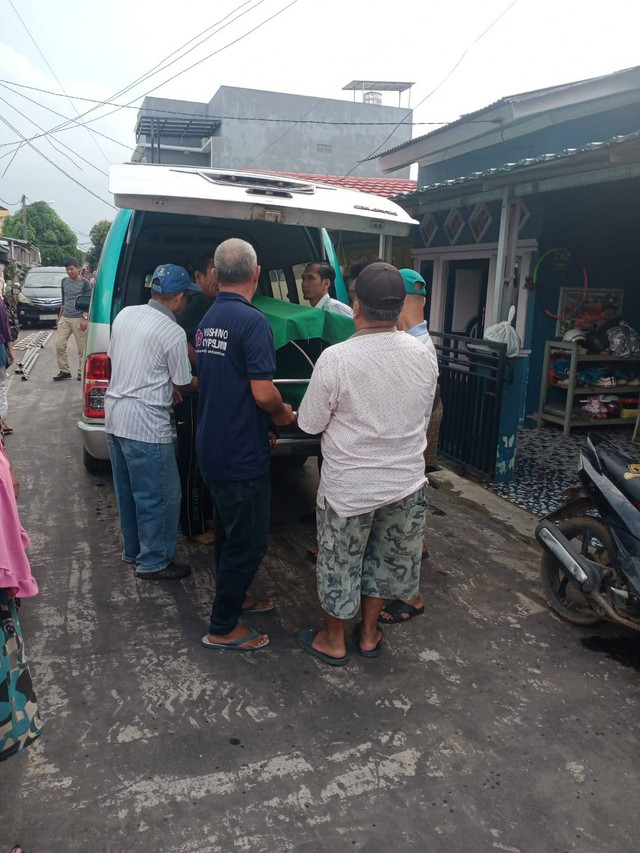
x: 38, y: 280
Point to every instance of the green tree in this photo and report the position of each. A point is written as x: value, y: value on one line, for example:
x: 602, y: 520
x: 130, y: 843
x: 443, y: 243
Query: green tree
x: 47, y: 231
x: 98, y: 235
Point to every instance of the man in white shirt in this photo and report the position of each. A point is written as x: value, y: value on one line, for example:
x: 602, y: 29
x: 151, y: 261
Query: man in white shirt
x: 148, y: 352
x: 317, y: 280
x: 368, y: 397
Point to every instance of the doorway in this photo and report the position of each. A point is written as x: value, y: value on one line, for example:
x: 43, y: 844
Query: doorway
x: 466, y: 297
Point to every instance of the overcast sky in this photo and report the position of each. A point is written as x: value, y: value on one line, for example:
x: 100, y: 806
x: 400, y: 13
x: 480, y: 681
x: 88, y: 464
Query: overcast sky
x: 312, y: 48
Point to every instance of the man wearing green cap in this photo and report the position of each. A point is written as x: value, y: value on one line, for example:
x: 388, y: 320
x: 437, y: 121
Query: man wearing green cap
x: 412, y: 322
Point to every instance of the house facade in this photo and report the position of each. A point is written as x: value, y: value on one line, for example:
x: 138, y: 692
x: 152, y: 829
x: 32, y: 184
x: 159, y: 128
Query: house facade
x: 248, y: 129
x: 526, y: 232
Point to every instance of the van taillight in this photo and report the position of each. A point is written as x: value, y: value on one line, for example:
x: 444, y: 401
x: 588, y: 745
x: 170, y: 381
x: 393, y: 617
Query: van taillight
x: 98, y: 368
x: 97, y: 373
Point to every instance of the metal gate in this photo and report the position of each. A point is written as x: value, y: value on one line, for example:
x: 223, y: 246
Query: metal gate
x: 472, y: 373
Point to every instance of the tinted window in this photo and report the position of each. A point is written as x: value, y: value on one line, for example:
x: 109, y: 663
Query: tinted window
x: 34, y: 281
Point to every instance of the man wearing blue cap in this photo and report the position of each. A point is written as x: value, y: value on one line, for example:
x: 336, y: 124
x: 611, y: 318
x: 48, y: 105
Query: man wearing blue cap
x: 149, y: 361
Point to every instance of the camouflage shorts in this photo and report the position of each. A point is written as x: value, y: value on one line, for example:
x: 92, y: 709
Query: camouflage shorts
x: 376, y: 554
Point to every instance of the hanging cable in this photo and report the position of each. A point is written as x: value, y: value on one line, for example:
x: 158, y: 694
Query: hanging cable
x: 64, y: 145
x: 440, y: 84
x: 54, y: 164
x: 44, y: 107
x: 55, y: 76
x: 180, y: 73
x: 152, y: 72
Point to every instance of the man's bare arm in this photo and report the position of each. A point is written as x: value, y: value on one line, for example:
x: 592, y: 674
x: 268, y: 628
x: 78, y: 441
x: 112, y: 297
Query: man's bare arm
x: 268, y: 399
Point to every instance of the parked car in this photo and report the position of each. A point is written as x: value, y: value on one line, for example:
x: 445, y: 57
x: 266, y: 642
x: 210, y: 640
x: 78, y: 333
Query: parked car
x: 40, y: 297
x: 170, y: 214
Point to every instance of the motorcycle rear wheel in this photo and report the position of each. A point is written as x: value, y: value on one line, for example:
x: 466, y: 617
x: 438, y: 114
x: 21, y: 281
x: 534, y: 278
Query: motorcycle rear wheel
x: 564, y: 596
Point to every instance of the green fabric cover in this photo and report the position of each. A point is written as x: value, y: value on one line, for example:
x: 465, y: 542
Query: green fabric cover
x: 291, y: 322
x: 311, y: 328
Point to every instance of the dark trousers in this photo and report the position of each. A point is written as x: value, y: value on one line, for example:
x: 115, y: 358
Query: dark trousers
x: 195, y: 506
x: 241, y: 512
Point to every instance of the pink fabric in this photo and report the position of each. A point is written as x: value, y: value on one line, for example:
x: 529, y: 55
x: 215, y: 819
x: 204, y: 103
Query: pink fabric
x: 15, y: 571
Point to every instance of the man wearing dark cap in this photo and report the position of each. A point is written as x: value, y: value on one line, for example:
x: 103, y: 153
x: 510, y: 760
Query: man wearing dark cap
x: 148, y: 352
x: 368, y: 397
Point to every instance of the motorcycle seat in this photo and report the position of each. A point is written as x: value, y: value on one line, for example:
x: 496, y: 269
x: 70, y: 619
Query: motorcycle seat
x: 624, y: 474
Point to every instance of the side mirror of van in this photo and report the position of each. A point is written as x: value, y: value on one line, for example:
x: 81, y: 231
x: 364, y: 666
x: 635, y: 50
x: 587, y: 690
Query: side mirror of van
x: 83, y: 302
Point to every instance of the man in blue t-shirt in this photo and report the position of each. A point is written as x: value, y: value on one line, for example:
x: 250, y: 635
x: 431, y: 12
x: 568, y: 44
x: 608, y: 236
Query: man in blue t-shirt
x: 238, y: 402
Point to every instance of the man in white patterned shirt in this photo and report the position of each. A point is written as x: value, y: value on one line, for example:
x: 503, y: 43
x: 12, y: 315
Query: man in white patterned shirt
x: 368, y: 397
x: 148, y: 352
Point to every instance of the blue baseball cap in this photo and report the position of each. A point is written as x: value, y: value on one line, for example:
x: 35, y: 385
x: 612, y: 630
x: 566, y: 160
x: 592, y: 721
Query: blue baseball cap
x: 169, y: 278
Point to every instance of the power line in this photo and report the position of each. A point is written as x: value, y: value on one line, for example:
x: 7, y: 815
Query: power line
x: 185, y: 70
x: 10, y: 83
x: 10, y: 203
x: 163, y: 64
x: 440, y: 84
x: 54, y: 164
x: 149, y: 74
x: 75, y: 153
x: 44, y: 107
x: 55, y: 77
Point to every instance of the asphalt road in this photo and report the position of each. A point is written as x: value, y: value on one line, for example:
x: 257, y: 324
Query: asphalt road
x: 486, y: 726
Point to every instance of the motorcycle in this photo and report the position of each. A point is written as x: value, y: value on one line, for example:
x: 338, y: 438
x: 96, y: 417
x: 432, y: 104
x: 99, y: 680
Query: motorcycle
x: 591, y: 564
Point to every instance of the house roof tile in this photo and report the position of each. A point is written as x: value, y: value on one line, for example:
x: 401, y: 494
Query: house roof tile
x: 386, y: 187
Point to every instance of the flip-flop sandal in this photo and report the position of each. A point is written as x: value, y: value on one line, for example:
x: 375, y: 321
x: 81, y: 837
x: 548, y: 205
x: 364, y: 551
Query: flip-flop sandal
x: 396, y: 608
x: 255, y: 610
x: 312, y: 553
x: 306, y: 638
x: 373, y: 653
x: 236, y: 645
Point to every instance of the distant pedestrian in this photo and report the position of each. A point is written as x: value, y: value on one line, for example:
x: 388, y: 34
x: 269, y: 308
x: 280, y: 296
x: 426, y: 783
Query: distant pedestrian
x: 317, y: 280
x: 196, y: 509
x: 6, y: 360
x: 413, y: 323
x: 149, y: 361
x: 71, y: 321
x: 238, y: 402
x: 20, y: 722
x: 368, y: 397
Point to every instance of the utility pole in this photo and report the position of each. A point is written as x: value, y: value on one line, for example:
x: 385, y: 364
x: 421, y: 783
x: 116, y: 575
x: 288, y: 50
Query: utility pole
x: 25, y: 232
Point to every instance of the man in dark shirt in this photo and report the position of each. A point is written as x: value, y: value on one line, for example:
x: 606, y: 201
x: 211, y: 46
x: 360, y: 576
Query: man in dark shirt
x: 238, y: 401
x: 195, y: 508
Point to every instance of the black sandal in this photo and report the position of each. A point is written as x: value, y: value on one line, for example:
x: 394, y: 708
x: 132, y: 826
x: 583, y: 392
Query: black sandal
x: 396, y: 609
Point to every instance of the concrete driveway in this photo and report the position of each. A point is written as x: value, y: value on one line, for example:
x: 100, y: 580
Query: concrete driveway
x: 486, y: 726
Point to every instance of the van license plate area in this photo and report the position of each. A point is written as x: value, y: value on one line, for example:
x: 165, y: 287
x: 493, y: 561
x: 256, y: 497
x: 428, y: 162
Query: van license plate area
x: 44, y: 317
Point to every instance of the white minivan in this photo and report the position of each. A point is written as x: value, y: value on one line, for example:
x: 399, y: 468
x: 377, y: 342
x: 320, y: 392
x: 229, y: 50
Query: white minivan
x: 170, y: 214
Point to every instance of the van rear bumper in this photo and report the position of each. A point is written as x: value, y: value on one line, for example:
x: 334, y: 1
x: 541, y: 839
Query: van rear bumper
x: 293, y: 442
x: 94, y: 439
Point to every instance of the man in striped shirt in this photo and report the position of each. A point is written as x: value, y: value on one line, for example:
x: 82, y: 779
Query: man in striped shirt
x: 149, y: 361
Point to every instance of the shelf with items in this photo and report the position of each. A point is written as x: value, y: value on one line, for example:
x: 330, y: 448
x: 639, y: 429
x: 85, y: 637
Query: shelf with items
x: 566, y: 414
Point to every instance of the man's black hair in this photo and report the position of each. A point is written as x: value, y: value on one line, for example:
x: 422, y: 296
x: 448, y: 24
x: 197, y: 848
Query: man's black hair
x: 72, y: 262
x: 358, y: 266
x: 325, y: 270
x: 201, y: 262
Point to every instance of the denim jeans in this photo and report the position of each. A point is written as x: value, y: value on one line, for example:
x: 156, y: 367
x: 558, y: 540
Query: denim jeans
x: 145, y: 477
x: 242, y: 511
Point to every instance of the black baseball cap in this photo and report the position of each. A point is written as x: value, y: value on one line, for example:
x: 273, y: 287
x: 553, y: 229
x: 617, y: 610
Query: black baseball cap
x: 380, y: 285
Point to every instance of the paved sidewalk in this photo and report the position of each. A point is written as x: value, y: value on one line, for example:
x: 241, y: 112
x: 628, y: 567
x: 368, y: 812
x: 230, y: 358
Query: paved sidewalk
x: 485, y: 726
